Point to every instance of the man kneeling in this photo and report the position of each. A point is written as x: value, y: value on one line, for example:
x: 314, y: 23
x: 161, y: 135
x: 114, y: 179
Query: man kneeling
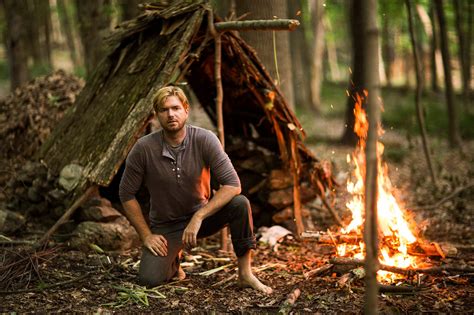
x: 175, y: 163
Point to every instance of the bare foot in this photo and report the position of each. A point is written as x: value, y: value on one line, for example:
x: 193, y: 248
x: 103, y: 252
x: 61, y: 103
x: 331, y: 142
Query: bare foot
x: 180, y: 275
x: 252, y: 282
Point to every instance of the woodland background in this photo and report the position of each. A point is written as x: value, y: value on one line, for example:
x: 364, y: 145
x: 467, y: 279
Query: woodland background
x: 318, y: 68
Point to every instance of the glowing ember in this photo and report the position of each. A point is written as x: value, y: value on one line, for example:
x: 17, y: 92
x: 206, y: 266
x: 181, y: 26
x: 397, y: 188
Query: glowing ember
x: 394, y: 230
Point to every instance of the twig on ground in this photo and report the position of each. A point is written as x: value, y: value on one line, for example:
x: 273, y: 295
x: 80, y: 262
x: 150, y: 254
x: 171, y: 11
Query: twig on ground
x: 440, y: 202
x: 290, y: 301
x: 48, y: 286
x: 317, y: 271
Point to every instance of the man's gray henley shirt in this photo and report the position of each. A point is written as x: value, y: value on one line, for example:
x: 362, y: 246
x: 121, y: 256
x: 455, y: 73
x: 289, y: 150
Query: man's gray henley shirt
x: 178, y: 186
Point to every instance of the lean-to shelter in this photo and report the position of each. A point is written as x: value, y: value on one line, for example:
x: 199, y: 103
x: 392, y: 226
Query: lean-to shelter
x: 171, y: 44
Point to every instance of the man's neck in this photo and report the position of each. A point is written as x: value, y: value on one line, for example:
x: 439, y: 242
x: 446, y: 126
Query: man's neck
x: 174, y: 138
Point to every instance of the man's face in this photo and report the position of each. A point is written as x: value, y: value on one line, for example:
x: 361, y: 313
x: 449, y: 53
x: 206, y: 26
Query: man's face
x: 172, y: 115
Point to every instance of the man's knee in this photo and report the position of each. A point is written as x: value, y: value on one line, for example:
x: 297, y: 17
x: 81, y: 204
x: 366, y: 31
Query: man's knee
x: 241, y: 203
x: 152, y: 279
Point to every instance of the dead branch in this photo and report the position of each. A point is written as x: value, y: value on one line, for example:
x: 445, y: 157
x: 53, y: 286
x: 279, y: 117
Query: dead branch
x: 440, y: 202
x: 408, y: 272
x: 48, y: 286
x: 290, y: 301
x: 331, y: 210
x: 16, y: 242
x: 383, y: 288
x: 317, y: 271
x: 250, y: 25
x: 65, y: 216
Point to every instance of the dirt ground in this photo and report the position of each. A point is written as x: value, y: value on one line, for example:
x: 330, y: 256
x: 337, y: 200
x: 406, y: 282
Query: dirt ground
x: 103, y: 282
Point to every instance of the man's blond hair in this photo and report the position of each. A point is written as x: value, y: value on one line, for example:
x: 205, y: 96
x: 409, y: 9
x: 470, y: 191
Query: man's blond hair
x: 167, y: 91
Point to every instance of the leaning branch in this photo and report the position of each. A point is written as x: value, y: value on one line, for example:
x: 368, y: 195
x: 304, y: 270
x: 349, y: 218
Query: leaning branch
x: 252, y: 25
x: 407, y: 272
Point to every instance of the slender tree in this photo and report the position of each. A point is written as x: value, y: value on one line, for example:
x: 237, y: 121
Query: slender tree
x: 356, y: 84
x: 463, y: 52
x: 419, y: 78
x: 16, y: 41
x: 129, y: 9
x: 65, y: 20
x: 370, y: 41
x: 371, y: 80
x: 273, y: 48
x: 317, y: 12
x: 434, y: 49
x: 300, y: 54
x: 453, y: 132
x: 94, y: 22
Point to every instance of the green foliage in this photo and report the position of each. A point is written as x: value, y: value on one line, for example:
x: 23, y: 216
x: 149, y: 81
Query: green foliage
x: 134, y: 295
x: 399, y: 112
x: 39, y: 70
x: 80, y: 71
x: 4, y: 71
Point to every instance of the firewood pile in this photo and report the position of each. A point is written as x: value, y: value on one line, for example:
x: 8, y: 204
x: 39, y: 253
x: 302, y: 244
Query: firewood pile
x: 28, y: 115
x: 269, y: 186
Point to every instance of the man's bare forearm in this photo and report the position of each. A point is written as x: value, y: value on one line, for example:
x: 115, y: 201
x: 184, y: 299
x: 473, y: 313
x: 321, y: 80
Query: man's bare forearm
x: 220, y: 199
x: 134, y: 214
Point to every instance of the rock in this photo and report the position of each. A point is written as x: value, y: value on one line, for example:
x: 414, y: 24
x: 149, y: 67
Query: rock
x: 116, y: 235
x: 70, y: 176
x: 100, y: 214
x: 10, y: 221
x: 287, y: 214
x: 97, y: 201
x: 57, y: 194
x: 33, y: 195
x: 280, y: 179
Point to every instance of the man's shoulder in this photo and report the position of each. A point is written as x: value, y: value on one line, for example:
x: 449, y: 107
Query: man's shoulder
x: 199, y: 132
x: 149, y: 140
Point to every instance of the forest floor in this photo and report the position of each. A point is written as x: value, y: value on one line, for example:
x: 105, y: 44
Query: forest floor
x: 97, y: 282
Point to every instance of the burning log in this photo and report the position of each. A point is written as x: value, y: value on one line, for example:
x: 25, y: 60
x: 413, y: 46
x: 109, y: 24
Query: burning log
x: 434, y: 249
x: 325, y: 238
x: 407, y: 272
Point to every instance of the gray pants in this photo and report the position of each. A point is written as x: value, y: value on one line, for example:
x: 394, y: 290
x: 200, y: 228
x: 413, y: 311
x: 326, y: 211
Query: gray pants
x: 237, y: 214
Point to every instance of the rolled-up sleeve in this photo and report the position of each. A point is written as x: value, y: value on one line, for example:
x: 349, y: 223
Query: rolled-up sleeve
x: 133, y: 175
x: 221, y: 166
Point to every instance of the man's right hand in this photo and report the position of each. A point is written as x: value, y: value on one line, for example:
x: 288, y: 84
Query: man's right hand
x: 157, y: 244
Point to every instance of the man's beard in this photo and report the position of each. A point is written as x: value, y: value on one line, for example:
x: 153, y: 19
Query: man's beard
x: 176, y: 127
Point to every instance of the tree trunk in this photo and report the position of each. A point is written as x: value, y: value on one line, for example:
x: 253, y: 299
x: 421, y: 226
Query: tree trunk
x: 33, y: 33
x: 300, y: 57
x: 129, y: 9
x: 332, y: 53
x: 67, y: 29
x: 356, y: 84
x: 434, y: 50
x: 462, y: 51
x: 419, y: 78
x: 93, y: 22
x: 317, y: 12
x: 453, y: 132
x: 425, y: 56
x: 15, y: 16
x: 46, y: 26
x: 388, y: 48
x: 370, y: 42
x: 275, y: 58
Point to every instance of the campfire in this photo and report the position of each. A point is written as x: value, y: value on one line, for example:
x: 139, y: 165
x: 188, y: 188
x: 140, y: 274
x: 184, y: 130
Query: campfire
x: 397, y: 234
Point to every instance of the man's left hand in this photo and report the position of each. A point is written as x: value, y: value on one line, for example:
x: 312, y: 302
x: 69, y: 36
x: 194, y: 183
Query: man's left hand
x: 191, y: 231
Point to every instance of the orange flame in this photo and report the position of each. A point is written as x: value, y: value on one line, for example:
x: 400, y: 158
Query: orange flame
x: 394, y: 229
